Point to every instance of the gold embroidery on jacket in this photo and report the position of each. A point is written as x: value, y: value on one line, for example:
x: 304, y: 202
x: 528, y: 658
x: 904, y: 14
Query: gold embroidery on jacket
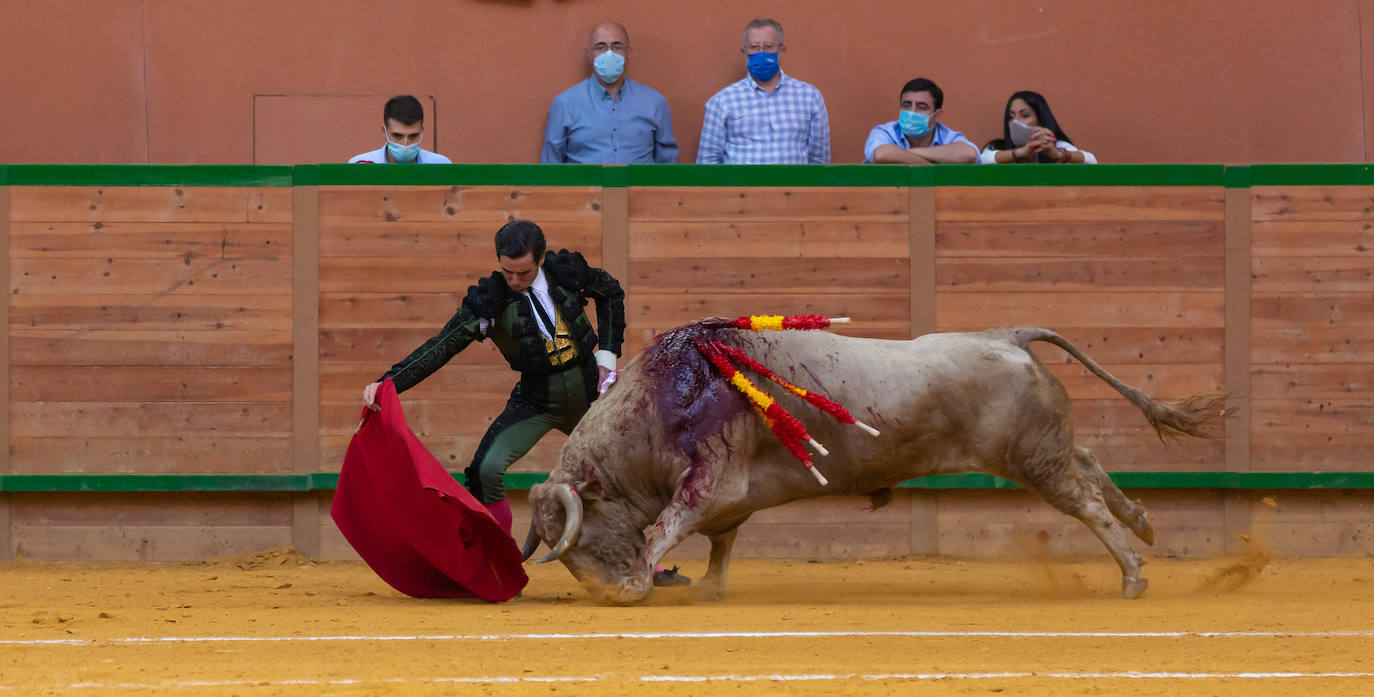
x: 563, y: 349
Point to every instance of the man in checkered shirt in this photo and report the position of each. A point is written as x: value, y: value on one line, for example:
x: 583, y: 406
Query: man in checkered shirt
x: 768, y: 117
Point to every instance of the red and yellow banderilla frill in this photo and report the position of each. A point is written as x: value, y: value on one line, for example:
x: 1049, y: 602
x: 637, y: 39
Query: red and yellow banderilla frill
x: 789, y: 431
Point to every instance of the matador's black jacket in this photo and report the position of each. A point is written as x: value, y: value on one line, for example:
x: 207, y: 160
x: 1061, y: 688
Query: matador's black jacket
x: 516, y: 333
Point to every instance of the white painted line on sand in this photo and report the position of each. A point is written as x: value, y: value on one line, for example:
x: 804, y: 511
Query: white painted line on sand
x: 801, y: 677
x: 933, y: 634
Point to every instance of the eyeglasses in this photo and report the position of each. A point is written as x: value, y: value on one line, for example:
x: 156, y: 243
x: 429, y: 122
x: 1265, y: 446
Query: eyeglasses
x: 762, y: 48
x: 618, y: 47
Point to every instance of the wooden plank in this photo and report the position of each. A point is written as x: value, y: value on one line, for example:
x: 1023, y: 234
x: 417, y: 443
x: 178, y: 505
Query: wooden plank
x: 460, y: 416
x: 155, y: 543
x: 200, y: 348
x: 184, y: 454
x: 1118, y: 346
x: 1161, y: 381
x: 270, y: 204
x: 5, y: 396
x: 615, y: 232
x: 1306, y: 274
x: 200, y: 509
x: 1059, y: 203
x: 491, y: 205
x: 1311, y: 453
x: 173, y: 312
x: 1310, y: 309
x: 305, y: 347
x: 454, y: 452
x: 129, y: 419
x: 178, y: 240
x: 1309, y: 203
x: 402, y: 274
x: 1120, y: 309
x: 341, y: 381
x: 1349, y: 343
x: 390, y: 310
x: 1239, y: 291
x: 383, y: 347
x: 1302, y: 238
x: 889, y: 276
x: 1311, y: 381
x: 204, y: 204
x: 921, y: 243
x: 1048, y: 274
x: 746, y: 238
x: 469, y: 240
x: 1128, y: 238
x: 149, y: 384
x: 730, y: 204
x: 1333, y: 418
x: 110, y: 276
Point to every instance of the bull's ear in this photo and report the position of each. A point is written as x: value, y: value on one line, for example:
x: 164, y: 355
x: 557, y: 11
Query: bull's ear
x: 590, y: 491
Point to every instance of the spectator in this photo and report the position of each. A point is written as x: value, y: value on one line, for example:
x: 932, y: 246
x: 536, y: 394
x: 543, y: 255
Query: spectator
x: 768, y: 117
x: 1030, y: 133
x: 609, y: 118
x: 403, y: 125
x: 917, y: 137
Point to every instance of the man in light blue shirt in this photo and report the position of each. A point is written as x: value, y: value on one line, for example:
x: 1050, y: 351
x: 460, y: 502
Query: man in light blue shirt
x: 609, y: 118
x: 917, y: 137
x: 768, y: 117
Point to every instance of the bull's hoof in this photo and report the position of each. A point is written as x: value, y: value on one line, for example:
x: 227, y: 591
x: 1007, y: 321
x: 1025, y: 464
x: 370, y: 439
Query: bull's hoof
x: 1131, y: 588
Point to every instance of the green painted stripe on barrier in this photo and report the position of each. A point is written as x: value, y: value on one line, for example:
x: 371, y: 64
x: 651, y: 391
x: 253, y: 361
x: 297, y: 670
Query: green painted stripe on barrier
x: 1237, y: 177
x: 149, y: 175
x: 336, y: 174
x: 325, y: 481
x: 1088, y: 175
x: 1311, y: 175
x: 768, y: 175
x: 458, y: 175
x: 153, y: 482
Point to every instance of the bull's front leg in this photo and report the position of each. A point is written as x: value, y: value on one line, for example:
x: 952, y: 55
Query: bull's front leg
x: 697, y: 491
x: 678, y: 520
x: 712, y: 585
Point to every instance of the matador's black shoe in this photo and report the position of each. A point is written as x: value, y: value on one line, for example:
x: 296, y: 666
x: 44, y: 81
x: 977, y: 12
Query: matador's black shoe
x: 670, y: 577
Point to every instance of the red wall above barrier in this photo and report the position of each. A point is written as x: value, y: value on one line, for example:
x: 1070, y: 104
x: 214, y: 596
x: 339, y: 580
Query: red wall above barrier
x: 175, y: 81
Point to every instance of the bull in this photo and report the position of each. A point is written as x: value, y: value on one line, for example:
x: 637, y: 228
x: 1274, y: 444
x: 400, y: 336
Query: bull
x: 672, y: 449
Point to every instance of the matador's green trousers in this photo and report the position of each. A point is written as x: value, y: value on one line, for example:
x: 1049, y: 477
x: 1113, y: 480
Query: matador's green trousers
x: 523, y: 422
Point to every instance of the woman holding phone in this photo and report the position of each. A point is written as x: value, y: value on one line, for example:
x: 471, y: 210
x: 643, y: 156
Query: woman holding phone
x: 1030, y: 133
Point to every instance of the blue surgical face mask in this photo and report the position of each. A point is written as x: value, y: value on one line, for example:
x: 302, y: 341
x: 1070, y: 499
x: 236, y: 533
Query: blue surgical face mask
x: 403, y: 153
x: 914, y: 123
x: 609, y: 66
x: 763, y: 65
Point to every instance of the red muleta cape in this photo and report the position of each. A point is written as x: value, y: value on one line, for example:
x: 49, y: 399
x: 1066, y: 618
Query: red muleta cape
x: 420, y: 530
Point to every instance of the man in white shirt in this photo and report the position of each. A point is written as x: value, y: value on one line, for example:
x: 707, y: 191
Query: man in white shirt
x: 403, y: 125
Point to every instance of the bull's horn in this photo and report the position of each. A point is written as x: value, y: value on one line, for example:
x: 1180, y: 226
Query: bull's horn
x: 531, y: 544
x: 572, y: 524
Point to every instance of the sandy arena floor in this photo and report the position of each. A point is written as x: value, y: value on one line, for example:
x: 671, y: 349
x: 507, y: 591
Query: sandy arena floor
x: 275, y: 623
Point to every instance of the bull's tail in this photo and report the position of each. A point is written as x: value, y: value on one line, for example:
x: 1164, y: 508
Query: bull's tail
x: 1198, y: 415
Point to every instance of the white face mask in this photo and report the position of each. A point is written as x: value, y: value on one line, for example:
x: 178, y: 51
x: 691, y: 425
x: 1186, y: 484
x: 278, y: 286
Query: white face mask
x: 403, y: 153
x: 1020, y: 132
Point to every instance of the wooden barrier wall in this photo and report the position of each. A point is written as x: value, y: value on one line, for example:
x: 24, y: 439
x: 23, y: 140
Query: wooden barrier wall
x: 187, y: 329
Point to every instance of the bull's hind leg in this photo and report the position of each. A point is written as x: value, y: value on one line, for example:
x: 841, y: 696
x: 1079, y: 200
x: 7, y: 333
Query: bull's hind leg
x: 1129, y: 512
x: 712, y: 585
x: 1079, y: 496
